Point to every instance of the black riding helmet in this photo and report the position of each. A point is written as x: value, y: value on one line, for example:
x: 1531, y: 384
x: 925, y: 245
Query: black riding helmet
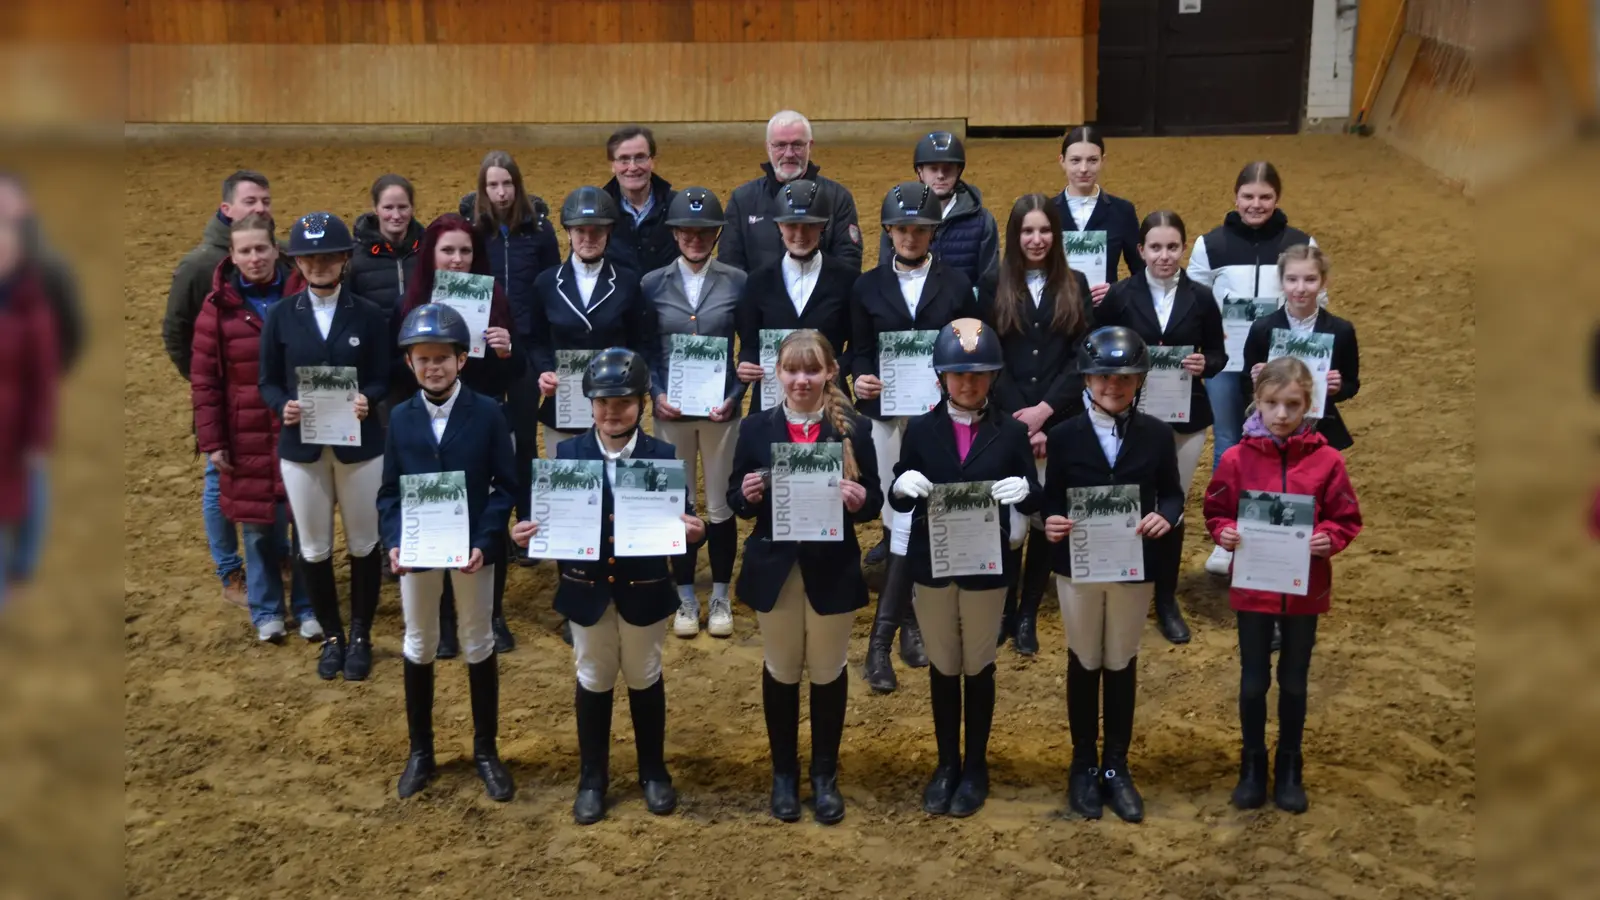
x: 939, y: 147
x: 695, y: 207
x: 588, y: 205
x: 319, y: 232
x: 911, y: 203
x: 802, y: 200
x: 616, y: 372
x: 1113, y: 350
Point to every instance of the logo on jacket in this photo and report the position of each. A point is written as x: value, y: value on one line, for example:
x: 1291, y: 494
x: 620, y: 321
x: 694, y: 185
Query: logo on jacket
x: 355, y: 341
x: 855, y: 235
x: 755, y: 219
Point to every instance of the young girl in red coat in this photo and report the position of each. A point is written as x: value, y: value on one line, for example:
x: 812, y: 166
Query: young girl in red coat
x: 1280, y: 451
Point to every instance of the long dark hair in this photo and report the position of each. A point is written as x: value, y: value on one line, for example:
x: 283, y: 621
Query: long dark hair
x: 420, y: 288
x: 1012, y: 300
x: 483, y: 212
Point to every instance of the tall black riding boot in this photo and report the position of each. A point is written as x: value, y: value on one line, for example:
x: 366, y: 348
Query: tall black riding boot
x: 781, y: 705
x: 366, y: 579
x: 892, y: 601
x: 827, y: 729
x: 879, y: 553
x: 1083, y: 717
x: 324, y: 591
x: 1035, y: 579
x: 945, y: 691
x: 449, y: 633
x: 1008, y: 618
x: 979, y: 708
x: 594, y: 755
x: 912, y: 651
x: 1168, y: 562
x: 649, y: 711
x: 484, y: 680
x: 419, y: 725
x: 504, y: 640
x: 1121, y: 687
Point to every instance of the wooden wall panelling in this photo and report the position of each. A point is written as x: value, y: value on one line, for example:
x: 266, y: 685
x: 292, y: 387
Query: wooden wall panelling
x: 1026, y: 82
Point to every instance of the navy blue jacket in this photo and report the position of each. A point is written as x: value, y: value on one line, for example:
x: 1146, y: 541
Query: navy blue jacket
x: 999, y: 450
x: 876, y: 306
x: 359, y: 337
x: 476, y: 441
x: 642, y: 587
x: 1196, y: 321
x: 618, y: 316
x: 831, y: 569
x: 516, y: 258
x: 1118, y: 219
x: 648, y: 245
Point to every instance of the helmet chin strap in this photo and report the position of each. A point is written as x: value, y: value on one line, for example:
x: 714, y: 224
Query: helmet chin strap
x: 808, y: 257
x: 323, y: 287
x: 589, y: 262
x: 911, y: 263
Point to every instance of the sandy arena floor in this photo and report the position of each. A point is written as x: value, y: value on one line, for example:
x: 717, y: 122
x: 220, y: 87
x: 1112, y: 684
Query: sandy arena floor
x: 245, y: 776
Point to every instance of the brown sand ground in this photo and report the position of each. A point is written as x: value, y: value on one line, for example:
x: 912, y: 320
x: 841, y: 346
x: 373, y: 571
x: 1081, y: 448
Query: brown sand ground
x: 245, y: 776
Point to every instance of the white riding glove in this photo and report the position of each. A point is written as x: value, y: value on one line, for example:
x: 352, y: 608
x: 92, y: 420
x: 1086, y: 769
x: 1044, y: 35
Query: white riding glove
x: 913, y: 484
x: 1011, y: 490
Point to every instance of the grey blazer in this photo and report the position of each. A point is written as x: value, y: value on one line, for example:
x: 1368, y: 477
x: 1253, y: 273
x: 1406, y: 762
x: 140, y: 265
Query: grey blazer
x: 719, y: 297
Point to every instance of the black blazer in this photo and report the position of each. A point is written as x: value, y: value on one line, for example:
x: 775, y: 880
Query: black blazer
x: 476, y: 441
x: 999, y: 450
x: 1149, y: 458
x: 642, y: 587
x: 765, y: 303
x: 618, y: 316
x: 290, y: 338
x: 1118, y: 219
x: 1041, y: 365
x: 1196, y: 321
x: 878, y: 306
x: 1346, y: 360
x: 831, y: 569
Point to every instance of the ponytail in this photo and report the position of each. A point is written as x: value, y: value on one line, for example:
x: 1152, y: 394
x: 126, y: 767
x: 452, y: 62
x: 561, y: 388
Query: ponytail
x: 837, y: 408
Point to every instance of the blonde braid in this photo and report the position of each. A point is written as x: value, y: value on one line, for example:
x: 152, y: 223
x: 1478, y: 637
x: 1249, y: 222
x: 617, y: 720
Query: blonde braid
x: 836, y: 406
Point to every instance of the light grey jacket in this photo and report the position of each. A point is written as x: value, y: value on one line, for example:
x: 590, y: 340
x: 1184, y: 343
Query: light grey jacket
x: 719, y: 300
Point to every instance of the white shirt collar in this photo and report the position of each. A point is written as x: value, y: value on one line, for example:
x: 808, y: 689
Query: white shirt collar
x: 921, y: 271
x: 693, y: 282
x: 801, y: 418
x: 964, y: 416
x: 1074, y: 200
x: 325, y: 302
x: 442, y: 410
x: 625, y: 453
x: 1307, y: 324
x: 587, y: 270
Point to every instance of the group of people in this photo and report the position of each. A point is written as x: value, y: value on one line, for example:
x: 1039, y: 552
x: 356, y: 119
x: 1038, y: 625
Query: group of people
x: 1040, y: 372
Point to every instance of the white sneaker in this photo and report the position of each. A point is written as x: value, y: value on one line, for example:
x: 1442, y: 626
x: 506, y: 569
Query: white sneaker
x: 1219, y: 562
x: 310, y: 629
x: 686, y: 624
x: 270, y: 632
x: 721, y: 618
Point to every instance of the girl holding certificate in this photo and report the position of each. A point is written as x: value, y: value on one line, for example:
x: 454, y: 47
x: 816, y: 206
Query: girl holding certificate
x: 1088, y: 211
x: 451, y: 245
x: 697, y: 297
x: 1239, y: 259
x: 896, y: 310
x: 447, y: 429
x: 1281, y: 451
x: 966, y: 438
x: 618, y: 604
x: 1040, y: 310
x: 1112, y: 487
x: 1168, y: 309
x: 805, y: 592
x: 1303, y: 270
x: 316, y: 338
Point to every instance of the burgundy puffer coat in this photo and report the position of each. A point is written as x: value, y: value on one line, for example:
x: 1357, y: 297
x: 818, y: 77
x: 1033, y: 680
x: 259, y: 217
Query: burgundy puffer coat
x: 228, y: 411
x: 28, y: 378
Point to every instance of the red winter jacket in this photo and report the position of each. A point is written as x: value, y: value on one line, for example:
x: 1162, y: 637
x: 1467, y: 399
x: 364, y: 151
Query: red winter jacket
x: 228, y: 411
x: 1305, y: 464
x: 28, y: 378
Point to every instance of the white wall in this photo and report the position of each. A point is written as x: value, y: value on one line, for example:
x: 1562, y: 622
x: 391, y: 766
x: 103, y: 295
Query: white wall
x: 1333, y: 48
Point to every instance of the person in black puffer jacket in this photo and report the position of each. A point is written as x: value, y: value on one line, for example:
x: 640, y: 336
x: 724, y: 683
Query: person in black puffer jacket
x: 640, y: 240
x: 386, y: 244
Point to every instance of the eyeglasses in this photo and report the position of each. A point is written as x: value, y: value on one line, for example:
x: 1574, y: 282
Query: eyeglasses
x: 638, y: 159
x: 792, y: 146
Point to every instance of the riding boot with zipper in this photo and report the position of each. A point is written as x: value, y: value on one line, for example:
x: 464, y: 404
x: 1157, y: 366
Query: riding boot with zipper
x: 827, y: 730
x: 366, y: 579
x: 945, y: 692
x: 420, y: 769
x: 324, y: 591
x: 1168, y: 562
x: 1121, y: 687
x: 1083, y: 718
x: 892, y: 600
x: 780, y: 703
x: 483, y: 678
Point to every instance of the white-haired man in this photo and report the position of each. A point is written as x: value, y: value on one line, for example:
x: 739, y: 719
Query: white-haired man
x: 751, y: 238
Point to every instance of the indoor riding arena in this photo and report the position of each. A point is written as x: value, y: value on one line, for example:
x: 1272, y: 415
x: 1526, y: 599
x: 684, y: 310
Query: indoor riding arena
x: 246, y: 776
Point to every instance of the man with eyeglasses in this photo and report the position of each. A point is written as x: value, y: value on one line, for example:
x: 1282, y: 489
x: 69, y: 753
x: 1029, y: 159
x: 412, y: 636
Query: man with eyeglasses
x: 751, y: 237
x: 640, y: 240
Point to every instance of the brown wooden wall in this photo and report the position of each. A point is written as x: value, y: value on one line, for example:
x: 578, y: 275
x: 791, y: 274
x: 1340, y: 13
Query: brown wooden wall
x: 991, y: 62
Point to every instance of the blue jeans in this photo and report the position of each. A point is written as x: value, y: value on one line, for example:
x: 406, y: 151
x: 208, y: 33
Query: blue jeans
x: 220, y: 533
x: 1229, y: 395
x: 264, y: 548
x: 22, y: 542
